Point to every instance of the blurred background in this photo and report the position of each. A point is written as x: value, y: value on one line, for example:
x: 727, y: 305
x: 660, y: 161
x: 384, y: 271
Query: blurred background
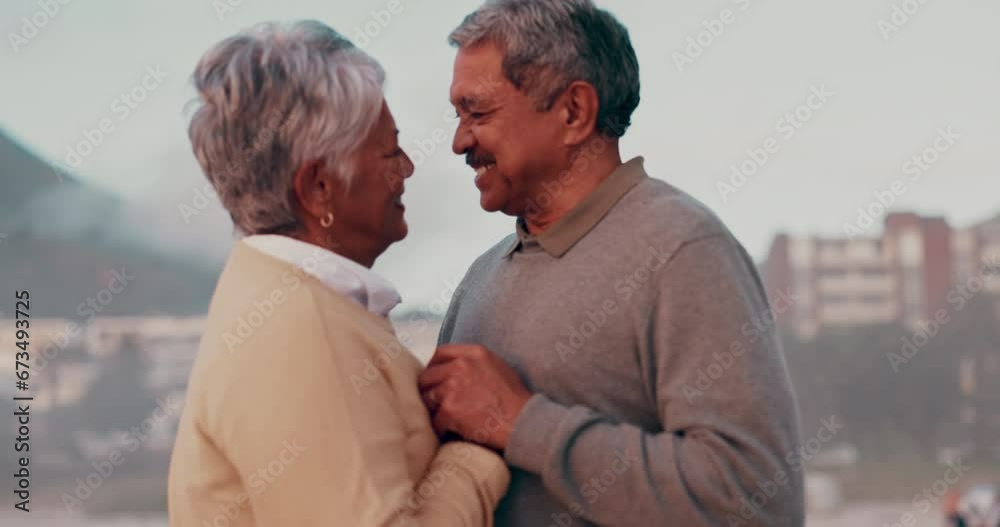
x: 851, y: 146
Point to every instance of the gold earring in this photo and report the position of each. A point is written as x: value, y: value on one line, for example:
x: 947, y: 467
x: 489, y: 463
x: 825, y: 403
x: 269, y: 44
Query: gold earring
x: 327, y: 220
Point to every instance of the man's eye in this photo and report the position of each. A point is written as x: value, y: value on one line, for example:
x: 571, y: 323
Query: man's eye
x: 475, y: 116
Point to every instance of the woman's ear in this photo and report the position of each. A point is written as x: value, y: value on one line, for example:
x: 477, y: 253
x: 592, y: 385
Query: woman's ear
x: 579, y: 106
x: 315, y: 188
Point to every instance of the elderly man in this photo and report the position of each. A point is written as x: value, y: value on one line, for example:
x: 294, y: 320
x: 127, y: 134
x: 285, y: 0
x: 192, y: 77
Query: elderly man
x: 606, y: 347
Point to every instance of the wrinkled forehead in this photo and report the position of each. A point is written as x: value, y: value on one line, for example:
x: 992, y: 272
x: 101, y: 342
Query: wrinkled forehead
x: 385, y: 129
x: 478, y: 77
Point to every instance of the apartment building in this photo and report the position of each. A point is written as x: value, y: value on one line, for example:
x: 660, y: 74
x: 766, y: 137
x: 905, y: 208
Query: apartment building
x: 905, y: 275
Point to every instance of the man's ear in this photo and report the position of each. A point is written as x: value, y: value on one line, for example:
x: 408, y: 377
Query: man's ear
x: 315, y: 187
x: 578, y: 107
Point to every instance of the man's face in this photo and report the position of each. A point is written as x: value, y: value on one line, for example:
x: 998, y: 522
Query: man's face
x: 512, y: 147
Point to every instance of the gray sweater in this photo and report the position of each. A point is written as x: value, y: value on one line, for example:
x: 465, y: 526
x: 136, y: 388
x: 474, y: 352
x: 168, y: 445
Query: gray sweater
x: 658, y: 399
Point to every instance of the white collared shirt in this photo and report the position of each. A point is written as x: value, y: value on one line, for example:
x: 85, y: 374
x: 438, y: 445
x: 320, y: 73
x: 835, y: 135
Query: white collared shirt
x: 347, y: 277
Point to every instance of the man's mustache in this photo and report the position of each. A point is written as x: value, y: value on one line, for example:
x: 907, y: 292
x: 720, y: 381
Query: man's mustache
x: 476, y: 160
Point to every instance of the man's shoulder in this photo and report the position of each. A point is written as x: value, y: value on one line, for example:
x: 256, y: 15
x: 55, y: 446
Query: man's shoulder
x: 657, y: 209
x: 488, y: 260
x: 477, y: 277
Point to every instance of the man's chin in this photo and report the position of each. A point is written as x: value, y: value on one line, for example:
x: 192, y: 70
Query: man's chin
x: 492, y: 203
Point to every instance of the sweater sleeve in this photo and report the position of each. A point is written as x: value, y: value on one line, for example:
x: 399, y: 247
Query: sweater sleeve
x: 728, y: 416
x: 315, y: 450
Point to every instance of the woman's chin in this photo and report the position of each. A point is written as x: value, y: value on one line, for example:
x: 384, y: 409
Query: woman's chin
x: 395, y: 224
x: 400, y: 231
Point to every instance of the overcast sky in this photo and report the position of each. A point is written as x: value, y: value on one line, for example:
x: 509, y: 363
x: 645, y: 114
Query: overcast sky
x: 889, y: 88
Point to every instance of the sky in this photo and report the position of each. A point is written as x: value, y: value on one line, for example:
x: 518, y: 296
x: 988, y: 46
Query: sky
x: 820, y: 106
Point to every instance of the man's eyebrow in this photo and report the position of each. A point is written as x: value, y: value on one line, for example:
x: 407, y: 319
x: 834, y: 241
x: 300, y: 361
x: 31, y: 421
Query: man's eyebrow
x: 468, y: 101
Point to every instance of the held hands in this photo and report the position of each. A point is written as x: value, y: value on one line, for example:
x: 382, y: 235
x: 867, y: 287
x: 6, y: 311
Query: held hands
x: 470, y: 391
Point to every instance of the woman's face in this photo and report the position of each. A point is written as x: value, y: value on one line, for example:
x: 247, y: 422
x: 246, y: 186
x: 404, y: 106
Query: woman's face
x: 372, y: 208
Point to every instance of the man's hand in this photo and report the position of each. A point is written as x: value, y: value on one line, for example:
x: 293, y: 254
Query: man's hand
x: 473, y: 393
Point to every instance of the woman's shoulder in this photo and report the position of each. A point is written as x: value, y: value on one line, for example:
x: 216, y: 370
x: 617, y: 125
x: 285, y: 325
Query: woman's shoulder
x: 268, y: 320
x: 263, y: 303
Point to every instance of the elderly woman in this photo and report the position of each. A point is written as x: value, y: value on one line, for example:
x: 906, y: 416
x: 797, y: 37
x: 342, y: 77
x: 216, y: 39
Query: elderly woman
x: 303, y: 408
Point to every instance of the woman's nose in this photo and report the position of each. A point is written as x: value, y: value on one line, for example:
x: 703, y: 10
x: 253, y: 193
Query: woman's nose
x: 408, y: 166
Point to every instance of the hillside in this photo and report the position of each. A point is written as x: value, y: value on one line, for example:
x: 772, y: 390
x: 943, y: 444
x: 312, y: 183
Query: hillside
x: 63, y: 241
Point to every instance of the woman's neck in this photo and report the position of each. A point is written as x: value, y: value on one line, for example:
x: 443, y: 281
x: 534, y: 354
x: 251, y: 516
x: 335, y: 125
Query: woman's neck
x: 351, y: 249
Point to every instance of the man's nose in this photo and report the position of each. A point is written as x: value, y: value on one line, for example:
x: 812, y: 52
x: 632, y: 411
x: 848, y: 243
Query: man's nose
x: 463, y: 141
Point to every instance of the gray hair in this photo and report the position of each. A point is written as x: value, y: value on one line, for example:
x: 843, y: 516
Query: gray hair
x: 275, y: 97
x: 549, y: 44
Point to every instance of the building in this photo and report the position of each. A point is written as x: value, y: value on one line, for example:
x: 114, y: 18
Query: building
x: 976, y: 247
x: 64, y: 353
x: 906, y: 275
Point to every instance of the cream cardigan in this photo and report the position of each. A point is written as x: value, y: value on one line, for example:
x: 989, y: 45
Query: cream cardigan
x: 303, y: 410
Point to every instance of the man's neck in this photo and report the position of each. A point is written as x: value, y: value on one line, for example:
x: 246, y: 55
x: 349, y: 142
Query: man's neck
x: 581, y: 182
